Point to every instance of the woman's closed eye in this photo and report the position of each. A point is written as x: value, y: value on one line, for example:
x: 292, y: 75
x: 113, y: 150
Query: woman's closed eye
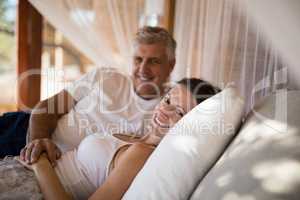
x: 179, y: 111
x: 167, y: 99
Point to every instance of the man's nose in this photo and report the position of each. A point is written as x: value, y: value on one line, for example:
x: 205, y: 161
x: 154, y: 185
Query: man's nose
x: 143, y: 67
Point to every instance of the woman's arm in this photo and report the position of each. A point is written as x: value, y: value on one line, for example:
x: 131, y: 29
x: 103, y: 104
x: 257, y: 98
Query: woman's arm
x: 48, y: 180
x: 127, y: 167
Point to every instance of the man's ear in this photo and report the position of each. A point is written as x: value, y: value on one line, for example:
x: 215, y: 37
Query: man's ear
x: 172, y: 64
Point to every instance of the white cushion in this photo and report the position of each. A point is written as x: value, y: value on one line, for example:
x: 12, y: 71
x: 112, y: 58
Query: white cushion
x: 263, y: 161
x: 189, y: 149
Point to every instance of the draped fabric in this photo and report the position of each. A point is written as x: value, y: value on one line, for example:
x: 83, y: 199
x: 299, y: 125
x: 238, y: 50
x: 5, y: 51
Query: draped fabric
x: 101, y: 29
x: 280, y: 22
x: 217, y: 42
x: 216, y: 39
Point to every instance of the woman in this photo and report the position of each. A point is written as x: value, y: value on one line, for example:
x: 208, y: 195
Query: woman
x: 103, y: 168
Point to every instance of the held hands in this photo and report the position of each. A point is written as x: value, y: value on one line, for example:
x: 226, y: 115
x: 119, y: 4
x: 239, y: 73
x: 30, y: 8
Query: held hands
x: 29, y: 165
x: 32, y: 151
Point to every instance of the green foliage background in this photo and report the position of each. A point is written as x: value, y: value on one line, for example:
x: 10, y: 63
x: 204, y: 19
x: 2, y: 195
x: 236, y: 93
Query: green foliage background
x: 7, y: 35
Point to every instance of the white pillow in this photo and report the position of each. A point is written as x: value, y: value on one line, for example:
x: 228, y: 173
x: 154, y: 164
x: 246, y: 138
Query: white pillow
x: 263, y: 161
x: 189, y: 149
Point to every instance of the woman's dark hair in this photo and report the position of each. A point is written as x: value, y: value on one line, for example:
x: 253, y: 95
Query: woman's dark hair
x: 200, y: 89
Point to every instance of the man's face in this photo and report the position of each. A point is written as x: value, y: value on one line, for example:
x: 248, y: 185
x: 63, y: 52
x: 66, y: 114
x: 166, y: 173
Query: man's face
x: 151, y: 69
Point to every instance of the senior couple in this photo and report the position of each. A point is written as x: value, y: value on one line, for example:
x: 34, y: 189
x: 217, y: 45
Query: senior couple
x: 78, y: 146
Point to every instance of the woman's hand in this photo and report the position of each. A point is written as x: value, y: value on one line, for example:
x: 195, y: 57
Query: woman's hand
x: 25, y: 164
x: 32, y: 166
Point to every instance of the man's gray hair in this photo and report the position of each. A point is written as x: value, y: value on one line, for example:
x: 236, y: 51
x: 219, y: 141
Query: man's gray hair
x: 153, y: 35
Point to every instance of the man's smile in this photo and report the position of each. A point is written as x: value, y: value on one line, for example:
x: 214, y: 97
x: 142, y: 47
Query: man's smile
x: 145, y: 78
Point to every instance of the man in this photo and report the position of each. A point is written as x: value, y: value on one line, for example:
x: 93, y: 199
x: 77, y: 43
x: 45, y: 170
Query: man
x: 103, y: 100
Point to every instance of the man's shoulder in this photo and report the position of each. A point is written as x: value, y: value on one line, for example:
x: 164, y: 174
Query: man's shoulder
x: 105, y: 75
x: 113, y: 80
x: 111, y: 73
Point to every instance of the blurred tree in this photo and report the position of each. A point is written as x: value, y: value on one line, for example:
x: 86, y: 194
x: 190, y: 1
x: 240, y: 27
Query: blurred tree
x: 7, y: 35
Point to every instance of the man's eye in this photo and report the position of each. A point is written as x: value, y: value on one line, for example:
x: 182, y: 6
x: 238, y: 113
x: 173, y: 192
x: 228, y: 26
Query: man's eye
x: 155, y: 61
x: 137, y: 60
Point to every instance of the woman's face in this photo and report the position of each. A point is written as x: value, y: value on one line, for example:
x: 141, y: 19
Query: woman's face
x: 176, y: 103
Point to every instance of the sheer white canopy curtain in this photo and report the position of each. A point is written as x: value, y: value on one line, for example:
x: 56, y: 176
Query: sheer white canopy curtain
x: 216, y: 40
x: 217, y: 43
x: 101, y: 29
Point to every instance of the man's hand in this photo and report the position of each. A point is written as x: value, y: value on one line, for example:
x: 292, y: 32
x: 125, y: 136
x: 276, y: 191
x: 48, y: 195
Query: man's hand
x: 32, y: 151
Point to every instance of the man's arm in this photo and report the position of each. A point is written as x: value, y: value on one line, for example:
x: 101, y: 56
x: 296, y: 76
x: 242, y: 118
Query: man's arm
x: 46, y: 113
x: 43, y: 121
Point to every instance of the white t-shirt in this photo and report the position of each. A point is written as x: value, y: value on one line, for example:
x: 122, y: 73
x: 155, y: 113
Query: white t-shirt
x: 107, y: 104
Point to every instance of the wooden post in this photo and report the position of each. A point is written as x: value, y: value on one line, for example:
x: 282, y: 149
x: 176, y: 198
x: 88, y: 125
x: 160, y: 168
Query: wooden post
x: 29, y: 36
x: 171, y: 15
